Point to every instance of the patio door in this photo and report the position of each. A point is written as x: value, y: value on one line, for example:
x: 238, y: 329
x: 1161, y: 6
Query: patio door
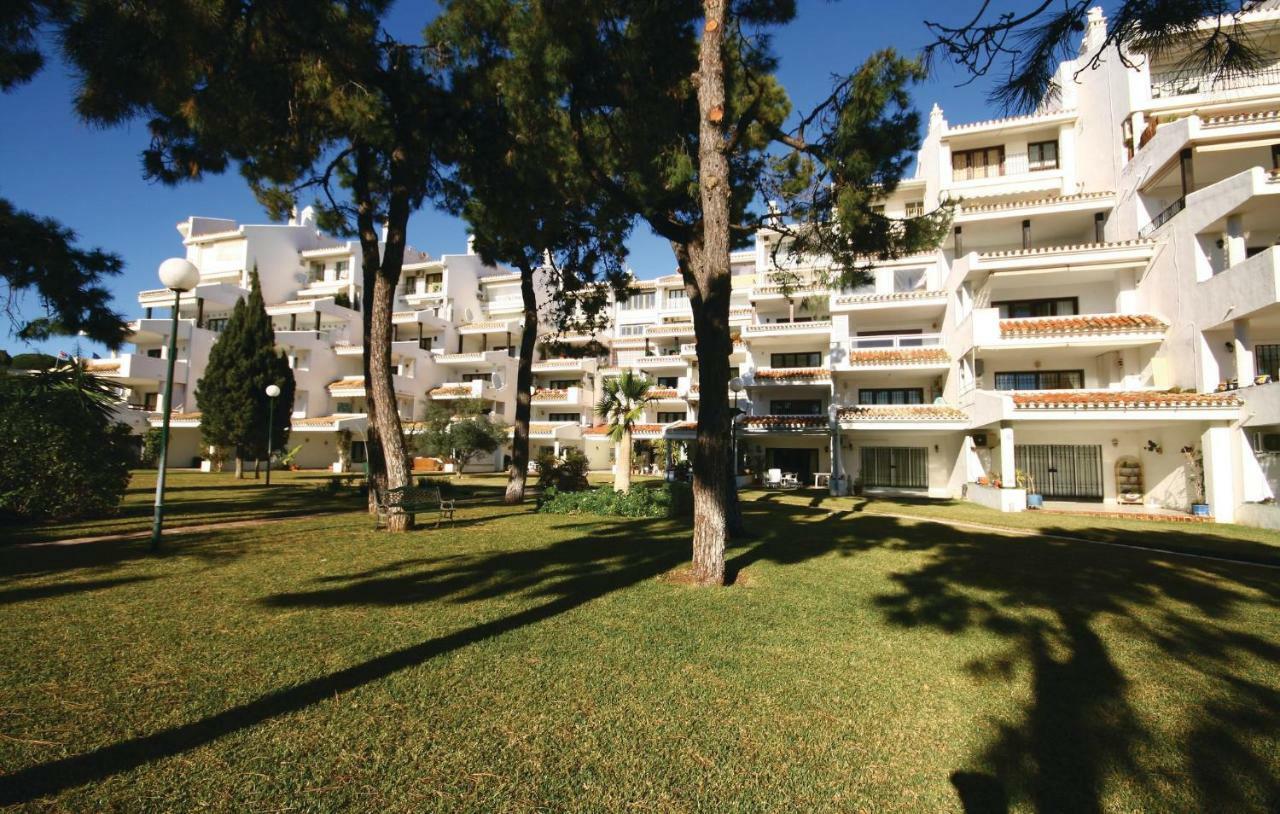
x: 895, y: 467
x: 1072, y: 471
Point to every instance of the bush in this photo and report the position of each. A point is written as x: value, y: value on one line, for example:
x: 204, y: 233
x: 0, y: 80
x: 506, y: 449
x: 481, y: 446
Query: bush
x: 61, y: 460
x: 565, y: 475
x: 668, y: 500
x: 151, y: 447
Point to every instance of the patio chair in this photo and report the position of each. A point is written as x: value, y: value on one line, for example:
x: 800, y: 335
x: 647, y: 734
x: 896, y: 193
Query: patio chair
x: 789, y: 481
x: 773, y: 479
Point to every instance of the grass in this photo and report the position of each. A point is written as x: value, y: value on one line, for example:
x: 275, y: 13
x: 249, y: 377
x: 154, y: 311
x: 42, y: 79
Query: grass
x: 196, y: 498
x: 523, y: 662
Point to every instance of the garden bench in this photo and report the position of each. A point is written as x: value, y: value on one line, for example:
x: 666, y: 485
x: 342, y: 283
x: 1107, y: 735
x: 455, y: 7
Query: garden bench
x: 413, y: 500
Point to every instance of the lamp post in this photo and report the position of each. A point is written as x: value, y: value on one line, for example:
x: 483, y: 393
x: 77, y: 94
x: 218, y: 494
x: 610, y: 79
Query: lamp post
x: 272, y: 392
x: 833, y: 412
x: 178, y: 275
x: 735, y: 385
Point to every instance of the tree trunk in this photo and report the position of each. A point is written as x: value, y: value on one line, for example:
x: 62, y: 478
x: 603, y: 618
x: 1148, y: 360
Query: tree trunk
x: 519, y: 470
x: 257, y: 465
x: 709, y: 262
x: 386, y: 415
x: 370, y: 264
x: 622, y: 478
x: 239, y: 466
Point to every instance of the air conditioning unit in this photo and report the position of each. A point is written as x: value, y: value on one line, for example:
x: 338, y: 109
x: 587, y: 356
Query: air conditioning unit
x: 979, y: 440
x: 1269, y: 441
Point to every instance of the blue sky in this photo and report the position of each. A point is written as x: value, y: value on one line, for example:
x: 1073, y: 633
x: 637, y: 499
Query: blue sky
x: 91, y: 179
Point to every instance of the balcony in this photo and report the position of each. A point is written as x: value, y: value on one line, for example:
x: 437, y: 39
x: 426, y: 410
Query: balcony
x: 478, y: 358
x: 670, y: 329
x: 137, y: 369
x: 1098, y: 332
x: 786, y: 330
x: 1190, y: 82
x: 565, y: 366
x: 562, y: 396
x: 738, y: 355
x: 906, y: 305
x: 1119, y: 254
x: 156, y: 331
x: 933, y: 417
x: 451, y: 391
x: 499, y: 327
x: 671, y: 362
x: 1241, y: 291
x: 774, y: 376
x: 1140, y: 405
x: 784, y: 425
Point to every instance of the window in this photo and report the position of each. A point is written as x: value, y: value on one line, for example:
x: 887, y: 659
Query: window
x: 677, y: 296
x: 890, y: 395
x: 151, y: 401
x: 1042, y: 155
x: 1040, y: 380
x: 1058, y: 307
x: 915, y: 209
x: 477, y: 377
x: 343, y: 267
x: 435, y: 282
x: 1266, y: 360
x: 813, y: 359
x: 344, y: 407
x: 795, y: 407
x: 300, y: 404
x: 668, y: 381
x: 574, y: 417
x: 315, y: 272
x: 630, y: 330
x: 908, y: 280
x: 563, y: 384
x: 216, y: 325
x: 670, y: 418
x: 987, y: 162
x: 155, y: 353
x: 300, y: 360
x: 638, y: 301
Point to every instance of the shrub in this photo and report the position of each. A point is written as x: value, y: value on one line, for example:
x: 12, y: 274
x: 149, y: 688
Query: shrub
x: 668, y: 500
x: 64, y: 459
x: 568, y: 474
x: 151, y: 447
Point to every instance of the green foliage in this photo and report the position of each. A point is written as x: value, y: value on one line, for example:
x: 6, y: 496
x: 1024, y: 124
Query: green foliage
x: 668, y: 500
x: 460, y: 434
x: 33, y: 361
x: 151, y: 446
x: 39, y: 255
x: 74, y: 459
x: 623, y: 400
x: 232, y: 395
x: 566, y: 474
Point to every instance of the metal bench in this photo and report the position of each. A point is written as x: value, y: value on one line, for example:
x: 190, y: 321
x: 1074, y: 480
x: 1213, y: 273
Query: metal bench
x: 412, y: 500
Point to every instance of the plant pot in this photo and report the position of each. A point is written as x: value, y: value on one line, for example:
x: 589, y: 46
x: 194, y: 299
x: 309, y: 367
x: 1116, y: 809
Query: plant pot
x: 983, y: 482
x: 1035, y: 501
x: 1200, y: 509
x: 1265, y: 378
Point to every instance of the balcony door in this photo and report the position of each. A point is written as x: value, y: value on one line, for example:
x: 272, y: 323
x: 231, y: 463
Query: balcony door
x: 1066, y: 471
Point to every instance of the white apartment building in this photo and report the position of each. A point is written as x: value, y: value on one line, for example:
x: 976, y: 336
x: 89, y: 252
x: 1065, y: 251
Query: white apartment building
x: 1105, y: 311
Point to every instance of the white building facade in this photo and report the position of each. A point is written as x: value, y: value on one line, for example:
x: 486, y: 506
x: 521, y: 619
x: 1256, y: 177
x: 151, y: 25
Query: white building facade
x: 1103, y: 317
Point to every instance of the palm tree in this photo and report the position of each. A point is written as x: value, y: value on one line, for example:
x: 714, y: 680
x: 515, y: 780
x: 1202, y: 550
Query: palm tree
x: 622, y: 405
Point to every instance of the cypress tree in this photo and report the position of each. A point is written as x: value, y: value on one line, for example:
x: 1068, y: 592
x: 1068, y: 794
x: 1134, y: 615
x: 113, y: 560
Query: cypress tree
x: 232, y: 395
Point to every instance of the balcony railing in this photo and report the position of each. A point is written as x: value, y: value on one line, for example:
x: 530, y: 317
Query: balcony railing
x: 894, y: 341
x: 1164, y: 217
x: 765, y: 328
x: 1187, y: 82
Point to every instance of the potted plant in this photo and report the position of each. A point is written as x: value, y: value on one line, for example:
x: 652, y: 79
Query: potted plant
x: 1195, y: 481
x: 1027, y: 481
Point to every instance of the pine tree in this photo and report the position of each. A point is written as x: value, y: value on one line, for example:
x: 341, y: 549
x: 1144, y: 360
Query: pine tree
x: 234, y: 407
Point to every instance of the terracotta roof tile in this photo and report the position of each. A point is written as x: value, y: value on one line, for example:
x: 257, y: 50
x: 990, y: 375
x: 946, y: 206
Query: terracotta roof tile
x: 663, y: 393
x: 451, y: 390
x: 1068, y: 248
x: 317, y: 421
x: 348, y: 383
x: 903, y: 412
x: 787, y: 373
x: 638, y: 429
x: 898, y: 356
x: 1120, y: 399
x: 1083, y: 324
x: 549, y: 394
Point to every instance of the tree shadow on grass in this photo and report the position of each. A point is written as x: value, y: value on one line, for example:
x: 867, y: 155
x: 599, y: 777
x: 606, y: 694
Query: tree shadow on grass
x: 559, y: 577
x: 1057, y: 605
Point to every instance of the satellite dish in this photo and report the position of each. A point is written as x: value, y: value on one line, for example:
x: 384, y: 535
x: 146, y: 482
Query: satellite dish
x: 468, y: 315
x: 499, y: 381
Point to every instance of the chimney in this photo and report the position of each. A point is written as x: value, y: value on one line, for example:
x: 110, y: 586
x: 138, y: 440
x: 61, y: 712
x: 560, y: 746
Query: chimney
x: 385, y: 227
x: 471, y: 244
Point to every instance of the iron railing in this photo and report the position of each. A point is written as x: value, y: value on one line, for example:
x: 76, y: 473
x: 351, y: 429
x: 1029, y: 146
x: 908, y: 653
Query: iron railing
x: 1072, y: 471
x: 895, y: 467
x: 1164, y: 217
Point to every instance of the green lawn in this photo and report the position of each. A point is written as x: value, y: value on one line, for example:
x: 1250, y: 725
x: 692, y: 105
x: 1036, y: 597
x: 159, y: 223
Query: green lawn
x: 520, y: 662
x: 197, y: 498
